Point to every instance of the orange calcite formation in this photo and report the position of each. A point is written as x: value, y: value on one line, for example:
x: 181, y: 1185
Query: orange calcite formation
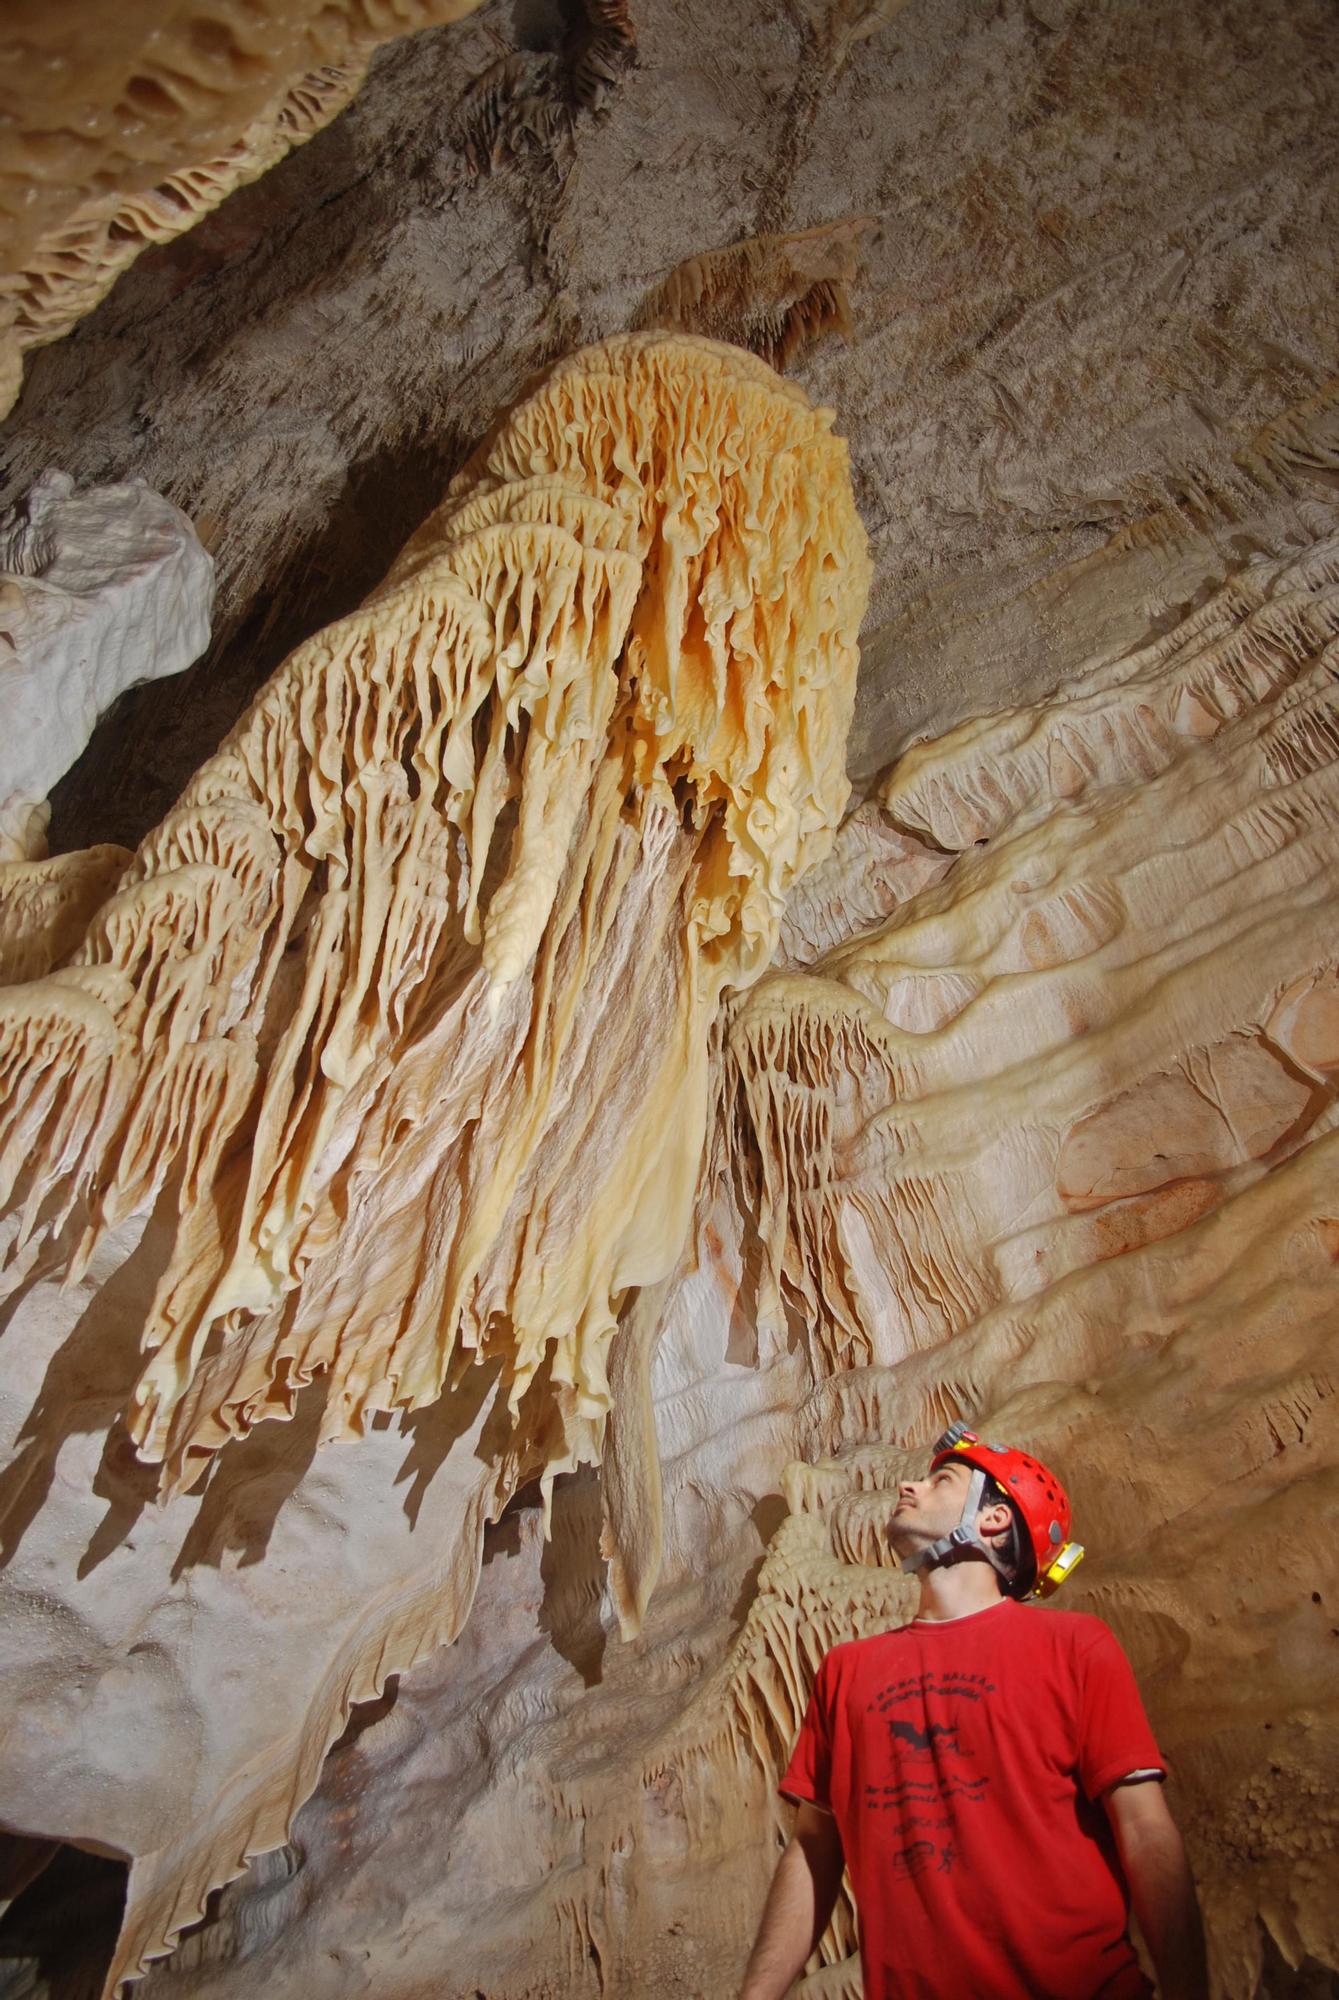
x: 399, y: 1025
x: 122, y: 125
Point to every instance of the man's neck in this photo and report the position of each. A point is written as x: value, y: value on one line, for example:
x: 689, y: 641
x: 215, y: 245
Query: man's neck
x: 955, y: 1590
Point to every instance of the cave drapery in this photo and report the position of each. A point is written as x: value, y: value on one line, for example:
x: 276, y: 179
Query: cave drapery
x: 404, y: 1013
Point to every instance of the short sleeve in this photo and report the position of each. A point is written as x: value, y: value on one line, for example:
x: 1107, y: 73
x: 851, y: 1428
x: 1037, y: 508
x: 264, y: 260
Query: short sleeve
x: 808, y: 1775
x: 1115, y: 1739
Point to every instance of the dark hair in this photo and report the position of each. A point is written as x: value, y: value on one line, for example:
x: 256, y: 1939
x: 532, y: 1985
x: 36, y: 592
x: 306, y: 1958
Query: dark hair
x: 1014, y: 1550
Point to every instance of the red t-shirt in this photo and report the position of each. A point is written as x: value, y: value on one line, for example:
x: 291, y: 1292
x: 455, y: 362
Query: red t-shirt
x: 965, y: 1763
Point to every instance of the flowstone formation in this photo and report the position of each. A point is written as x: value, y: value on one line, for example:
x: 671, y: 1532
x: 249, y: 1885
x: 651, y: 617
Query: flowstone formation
x: 1055, y: 1144
x: 399, y: 1029
x: 1032, y: 1120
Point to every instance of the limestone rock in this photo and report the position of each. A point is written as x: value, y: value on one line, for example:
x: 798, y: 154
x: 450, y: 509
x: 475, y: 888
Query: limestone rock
x: 47, y: 905
x: 637, y: 611
x: 98, y: 590
x: 1088, y: 1201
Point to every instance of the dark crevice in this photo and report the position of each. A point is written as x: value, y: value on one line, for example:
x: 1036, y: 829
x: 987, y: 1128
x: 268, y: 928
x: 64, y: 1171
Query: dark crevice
x: 58, y: 1935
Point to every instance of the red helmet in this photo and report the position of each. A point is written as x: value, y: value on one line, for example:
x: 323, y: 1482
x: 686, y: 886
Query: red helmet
x: 1039, y: 1502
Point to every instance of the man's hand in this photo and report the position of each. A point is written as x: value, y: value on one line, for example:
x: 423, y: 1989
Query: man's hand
x: 799, y: 1903
x: 1161, y: 1889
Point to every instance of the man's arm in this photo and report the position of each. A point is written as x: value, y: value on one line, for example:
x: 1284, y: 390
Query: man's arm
x: 1154, y: 1859
x: 799, y: 1903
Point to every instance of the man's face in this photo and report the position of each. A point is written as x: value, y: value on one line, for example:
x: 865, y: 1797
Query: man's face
x: 929, y: 1508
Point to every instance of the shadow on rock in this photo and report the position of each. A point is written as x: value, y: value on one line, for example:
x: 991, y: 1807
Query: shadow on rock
x: 86, y: 1386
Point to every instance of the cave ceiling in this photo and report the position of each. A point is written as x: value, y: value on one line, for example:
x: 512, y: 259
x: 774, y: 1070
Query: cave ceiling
x: 1060, y: 268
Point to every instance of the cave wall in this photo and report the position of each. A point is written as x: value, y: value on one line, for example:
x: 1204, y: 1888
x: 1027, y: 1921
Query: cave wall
x: 1036, y: 1125
x: 1032, y: 1116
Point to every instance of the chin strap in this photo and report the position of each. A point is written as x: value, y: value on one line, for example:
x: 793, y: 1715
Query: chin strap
x: 964, y: 1541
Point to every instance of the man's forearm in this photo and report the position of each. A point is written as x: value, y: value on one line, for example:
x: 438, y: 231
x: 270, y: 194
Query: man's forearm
x: 1163, y: 1893
x: 799, y: 1903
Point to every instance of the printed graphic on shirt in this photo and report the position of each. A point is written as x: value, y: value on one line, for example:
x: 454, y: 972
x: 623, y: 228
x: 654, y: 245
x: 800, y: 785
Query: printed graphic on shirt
x: 914, y: 1859
x: 927, y: 1768
x: 951, y: 1684
x: 921, y: 1739
x: 942, y: 1755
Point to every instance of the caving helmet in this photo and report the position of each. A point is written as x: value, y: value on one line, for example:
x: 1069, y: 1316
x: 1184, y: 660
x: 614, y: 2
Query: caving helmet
x: 1045, y: 1555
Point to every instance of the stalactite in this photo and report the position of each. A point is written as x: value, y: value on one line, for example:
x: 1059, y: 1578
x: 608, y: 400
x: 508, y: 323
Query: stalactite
x: 773, y: 294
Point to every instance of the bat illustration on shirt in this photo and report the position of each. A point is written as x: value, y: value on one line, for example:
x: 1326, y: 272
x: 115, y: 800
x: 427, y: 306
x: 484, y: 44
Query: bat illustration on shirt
x: 921, y: 1739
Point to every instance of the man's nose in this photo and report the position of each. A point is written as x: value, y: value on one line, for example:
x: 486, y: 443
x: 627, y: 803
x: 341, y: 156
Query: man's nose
x: 907, y: 1490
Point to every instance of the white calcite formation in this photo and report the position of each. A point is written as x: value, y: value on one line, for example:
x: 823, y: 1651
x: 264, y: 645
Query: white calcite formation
x: 99, y: 590
x: 1055, y: 1144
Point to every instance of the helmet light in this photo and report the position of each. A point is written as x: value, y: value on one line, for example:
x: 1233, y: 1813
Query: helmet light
x: 1062, y: 1565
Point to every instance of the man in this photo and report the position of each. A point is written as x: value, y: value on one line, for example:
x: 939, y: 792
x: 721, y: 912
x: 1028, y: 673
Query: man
x: 986, y: 1774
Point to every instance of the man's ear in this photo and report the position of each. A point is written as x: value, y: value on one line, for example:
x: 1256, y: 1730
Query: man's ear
x: 993, y: 1521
